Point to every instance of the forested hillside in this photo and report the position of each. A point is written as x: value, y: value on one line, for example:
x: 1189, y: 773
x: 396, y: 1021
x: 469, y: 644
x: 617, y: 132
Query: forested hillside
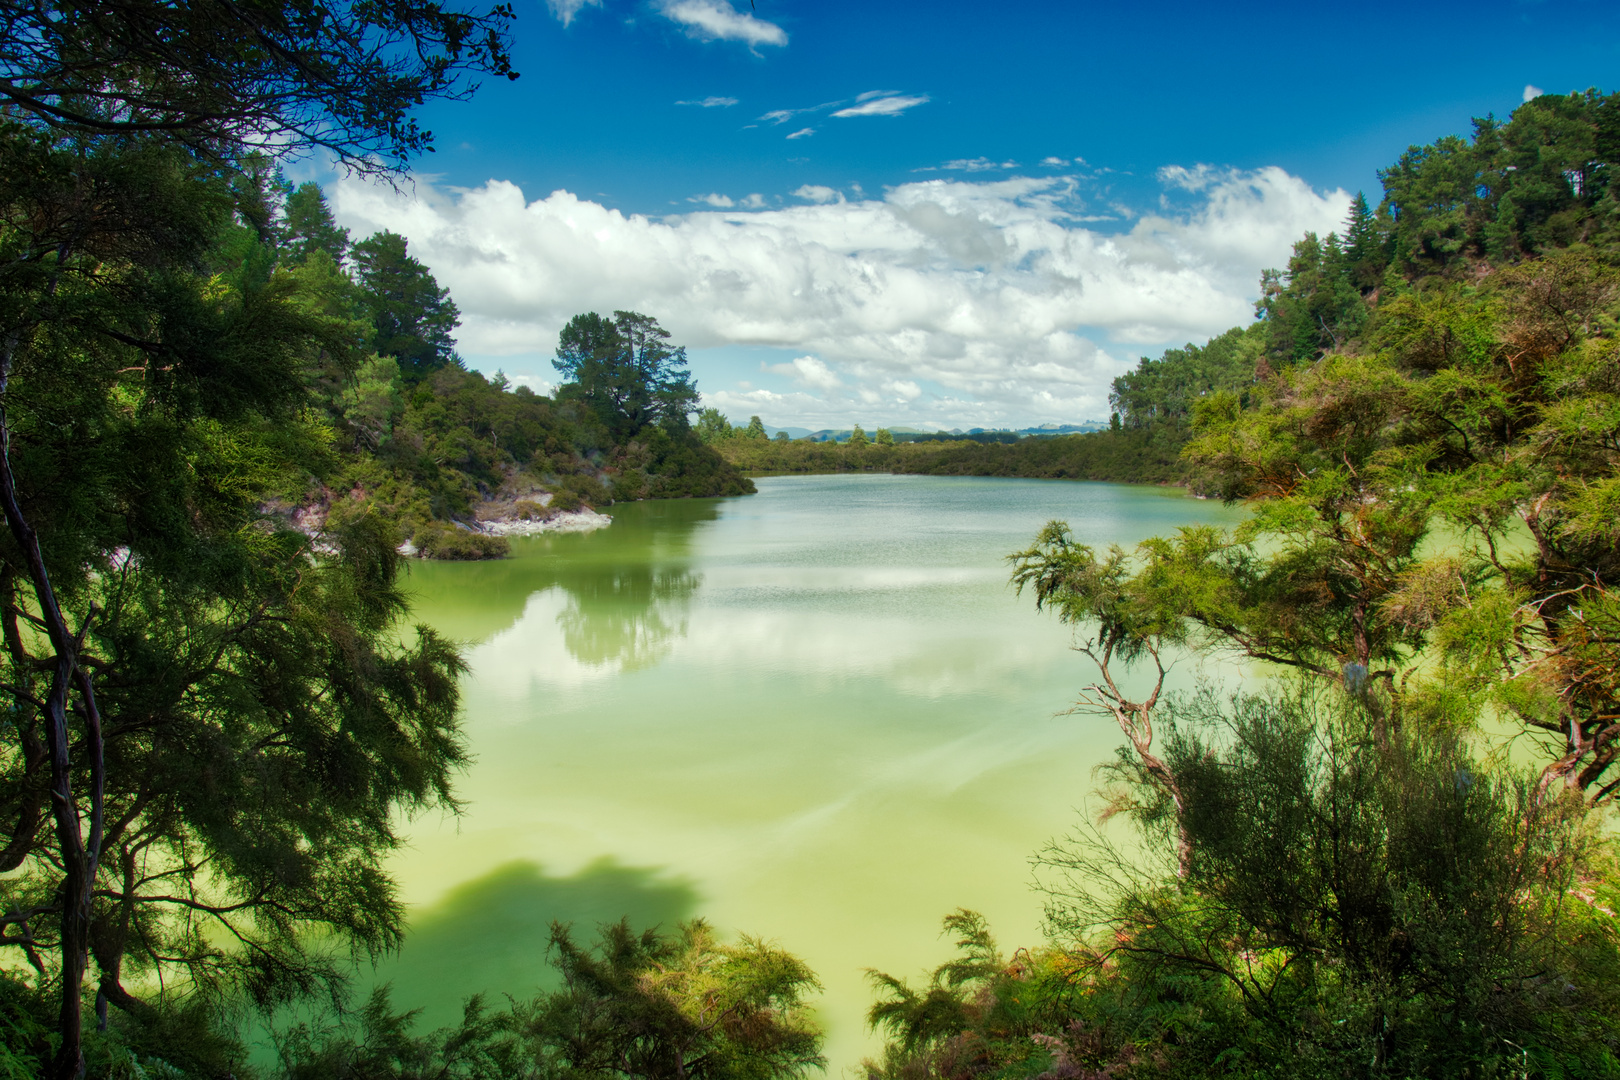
x: 433, y: 448
x: 1348, y: 872
x: 1536, y: 183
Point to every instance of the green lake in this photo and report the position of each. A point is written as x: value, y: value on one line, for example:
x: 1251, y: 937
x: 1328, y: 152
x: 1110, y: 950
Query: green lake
x: 817, y: 714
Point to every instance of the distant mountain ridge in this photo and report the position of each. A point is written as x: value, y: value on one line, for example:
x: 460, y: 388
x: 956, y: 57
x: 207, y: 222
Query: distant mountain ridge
x: 909, y: 434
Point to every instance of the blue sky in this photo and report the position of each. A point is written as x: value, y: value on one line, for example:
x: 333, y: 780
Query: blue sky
x: 933, y: 214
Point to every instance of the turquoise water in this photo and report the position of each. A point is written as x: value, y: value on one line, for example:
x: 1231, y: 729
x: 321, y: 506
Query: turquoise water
x: 818, y: 714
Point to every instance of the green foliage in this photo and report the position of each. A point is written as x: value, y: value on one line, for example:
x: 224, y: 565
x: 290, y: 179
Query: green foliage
x: 338, y: 78
x: 712, y: 426
x: 1358, y: 901
x: 411, y: 316
x: 914, y: 1019
x: 1333, y: 883
x: 436, y: 541
x: 636, y: 1006
x: 226, y: 716
x: 308, y: 226
x: 626, y: 373
x: 1127, y: 457
x: 1480, y: 414
x: 1161, y: 392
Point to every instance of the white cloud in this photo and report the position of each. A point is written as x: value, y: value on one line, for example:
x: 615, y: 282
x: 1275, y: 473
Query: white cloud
x: 711, y: 102
x: 882, y: 103
x: 802, y: 132
x: 978, y: 164
x: 807, y: 371
x: 1054, y: 162
x: 717, y: 20
x: 992, y: 298
x: 817, y: 193
x: 754, y: 201
x: 533, y: 382
x: 1532, y: 92
x: 722, y: 202
x: 565, y: 10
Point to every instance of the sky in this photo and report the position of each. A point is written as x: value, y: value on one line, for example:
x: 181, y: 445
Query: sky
x: 934, y: 215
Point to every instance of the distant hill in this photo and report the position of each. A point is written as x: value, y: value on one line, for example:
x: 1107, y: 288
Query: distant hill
x: 976, y: 434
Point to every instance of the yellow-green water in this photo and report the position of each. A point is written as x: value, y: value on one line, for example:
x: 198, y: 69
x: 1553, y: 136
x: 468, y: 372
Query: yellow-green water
x: 817, y: 714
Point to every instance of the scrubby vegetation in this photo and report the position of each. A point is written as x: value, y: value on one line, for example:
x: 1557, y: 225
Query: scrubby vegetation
x: 1357, y: 902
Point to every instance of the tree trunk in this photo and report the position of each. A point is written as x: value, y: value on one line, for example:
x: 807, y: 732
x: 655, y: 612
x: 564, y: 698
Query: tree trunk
x: 79, y: 857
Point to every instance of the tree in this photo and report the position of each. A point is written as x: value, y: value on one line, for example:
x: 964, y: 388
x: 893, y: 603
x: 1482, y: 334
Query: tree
x: 1471, y: 413
x: 884, y: 437
x: 755, y: 429
x: 624, y: 369
x: 1357, y: 901
x: 651, y: 1006
x: 309, y: 226
x: 634, y: 1006
x: 857, y: 438
x: 1364, y: 254
x: 413, y: 318
x: 150, y: 370
x: 215, y: 78
x: 213, y: 725
x: 712, y: 426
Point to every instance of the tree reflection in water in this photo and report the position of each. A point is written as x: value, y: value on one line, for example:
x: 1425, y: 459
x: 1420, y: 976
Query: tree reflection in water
x: 628, y: 618
x: 628, y: 586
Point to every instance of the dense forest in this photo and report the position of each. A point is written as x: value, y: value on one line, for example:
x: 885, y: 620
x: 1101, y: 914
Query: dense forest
x: 220, y: 419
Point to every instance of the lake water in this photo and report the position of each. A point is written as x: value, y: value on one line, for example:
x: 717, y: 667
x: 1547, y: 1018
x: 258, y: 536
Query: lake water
x: 817, y: 714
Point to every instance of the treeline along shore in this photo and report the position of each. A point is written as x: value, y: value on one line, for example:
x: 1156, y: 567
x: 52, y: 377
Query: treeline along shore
x: 1150, y: 425
x: 1130, y: 457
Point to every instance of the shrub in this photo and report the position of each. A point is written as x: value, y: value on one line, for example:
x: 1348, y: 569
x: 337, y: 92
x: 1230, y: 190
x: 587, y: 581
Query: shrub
x: 439, y: 541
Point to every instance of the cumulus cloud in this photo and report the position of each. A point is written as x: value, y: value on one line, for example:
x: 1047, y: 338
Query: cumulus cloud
x: 717, y: 20
x: 565, y: 10
x: 808, y: 371
x: 711, y: 102
x: 882, y: 103
x: 802, y: 132
x: 1532, y: 92
x: 715, y: 199
x: 753, y: 201
x: 992, y: 298
x: 1056, y: 162
x: 816, y: 193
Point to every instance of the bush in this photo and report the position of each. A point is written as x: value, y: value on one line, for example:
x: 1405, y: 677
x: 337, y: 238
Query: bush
x: 1360, y: 901
x: 564, y: 501
x: 585, y: 489
x: 439, y: 541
